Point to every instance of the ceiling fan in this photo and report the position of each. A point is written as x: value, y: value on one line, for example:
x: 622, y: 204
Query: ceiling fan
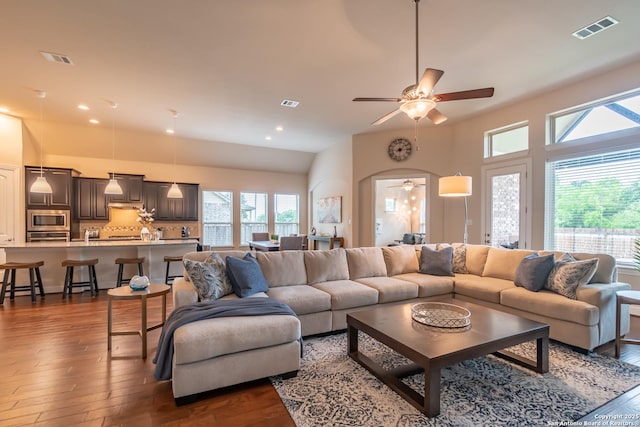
x: 408, y: 185
x: 417, y: 100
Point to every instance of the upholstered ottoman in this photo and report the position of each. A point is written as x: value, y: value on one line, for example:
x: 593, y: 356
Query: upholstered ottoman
x: 214, y: 353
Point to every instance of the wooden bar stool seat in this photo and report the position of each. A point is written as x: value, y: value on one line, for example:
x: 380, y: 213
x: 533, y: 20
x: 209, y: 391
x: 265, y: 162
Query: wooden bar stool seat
x: 121, y: 263
x: 34, y: 279
x: 169, y: 260
x: 69, y: 284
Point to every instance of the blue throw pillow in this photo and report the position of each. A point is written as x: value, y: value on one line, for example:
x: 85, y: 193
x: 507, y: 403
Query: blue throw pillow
x: 533, y: 271
x: 246, y: 276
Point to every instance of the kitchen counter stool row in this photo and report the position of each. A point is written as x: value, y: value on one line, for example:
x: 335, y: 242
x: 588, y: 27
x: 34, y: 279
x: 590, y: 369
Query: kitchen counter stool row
x: 35, y: 278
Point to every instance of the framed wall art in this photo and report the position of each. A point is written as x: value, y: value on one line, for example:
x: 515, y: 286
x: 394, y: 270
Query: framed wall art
x: 329, y: 210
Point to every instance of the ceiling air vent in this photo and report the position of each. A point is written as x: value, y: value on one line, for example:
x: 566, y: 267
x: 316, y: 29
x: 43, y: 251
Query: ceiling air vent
x: 56, y: 57
x: 289, y: 103
x: 596, y: 27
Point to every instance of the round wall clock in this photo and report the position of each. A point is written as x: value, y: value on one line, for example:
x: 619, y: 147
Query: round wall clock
x: 399, y: 149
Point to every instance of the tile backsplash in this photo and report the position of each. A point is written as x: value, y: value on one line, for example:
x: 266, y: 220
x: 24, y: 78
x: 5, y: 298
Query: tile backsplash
x: 123, y: 223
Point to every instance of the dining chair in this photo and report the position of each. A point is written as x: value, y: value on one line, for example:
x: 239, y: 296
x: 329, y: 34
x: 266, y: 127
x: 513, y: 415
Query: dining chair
x: 258, y: 237
x: 292, y: 243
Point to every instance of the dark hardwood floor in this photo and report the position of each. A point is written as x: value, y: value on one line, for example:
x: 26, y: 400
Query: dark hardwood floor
x: 56, y: 371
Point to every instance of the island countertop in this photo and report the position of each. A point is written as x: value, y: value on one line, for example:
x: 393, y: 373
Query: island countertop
x: 98, y: 243
x: 106, y: 251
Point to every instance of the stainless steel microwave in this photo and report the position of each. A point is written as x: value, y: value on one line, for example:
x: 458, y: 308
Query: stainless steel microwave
x: 48, y: 220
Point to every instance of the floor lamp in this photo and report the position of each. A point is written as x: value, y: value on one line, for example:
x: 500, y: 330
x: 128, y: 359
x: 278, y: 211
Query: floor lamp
x: 457, y: 186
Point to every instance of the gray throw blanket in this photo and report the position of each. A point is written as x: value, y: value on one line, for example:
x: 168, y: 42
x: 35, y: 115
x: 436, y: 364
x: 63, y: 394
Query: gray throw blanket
x: 208, y: 310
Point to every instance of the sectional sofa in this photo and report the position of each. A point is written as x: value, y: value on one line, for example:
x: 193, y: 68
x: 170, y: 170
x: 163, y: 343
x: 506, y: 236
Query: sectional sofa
x: 323, y: 286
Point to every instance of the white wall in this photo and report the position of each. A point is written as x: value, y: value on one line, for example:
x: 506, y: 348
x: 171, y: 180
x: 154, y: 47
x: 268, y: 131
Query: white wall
x: 330, y: 175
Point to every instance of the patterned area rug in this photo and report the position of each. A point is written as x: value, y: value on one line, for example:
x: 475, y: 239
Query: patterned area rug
x: 333, y: 390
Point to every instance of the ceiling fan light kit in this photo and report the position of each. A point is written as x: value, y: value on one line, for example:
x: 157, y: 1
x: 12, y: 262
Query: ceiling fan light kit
x: 418, y: 100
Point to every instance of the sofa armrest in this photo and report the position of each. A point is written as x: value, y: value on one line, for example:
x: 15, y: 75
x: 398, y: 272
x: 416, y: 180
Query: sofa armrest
x: 603, y: 296
x: 184, y: 293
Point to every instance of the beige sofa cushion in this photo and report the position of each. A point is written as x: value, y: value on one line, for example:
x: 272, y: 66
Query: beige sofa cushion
x: 400, y: 259
x: 326, y: 265
x: 476, y: 256
x: 283, y: 268
x: 503, y: 263
x: 210, y: 338
x: 429, y: 285
x: 365, y: 262
x: 348, y: 294
x: 302, y: 299
x: 482, y: 288
x: 391, y: 289
x: 550, y: 304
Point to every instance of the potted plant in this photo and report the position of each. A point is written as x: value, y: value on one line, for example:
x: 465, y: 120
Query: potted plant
x: 274, y: 238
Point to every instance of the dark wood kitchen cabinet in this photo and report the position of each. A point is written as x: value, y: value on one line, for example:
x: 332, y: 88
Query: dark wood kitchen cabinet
x: 132, y: 189
x: 60, y: 181
x: 185, y: 209
x: 90, y: 202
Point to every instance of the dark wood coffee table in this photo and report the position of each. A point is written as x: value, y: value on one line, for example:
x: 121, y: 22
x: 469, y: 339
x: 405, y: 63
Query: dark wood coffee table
x: 430, y: 349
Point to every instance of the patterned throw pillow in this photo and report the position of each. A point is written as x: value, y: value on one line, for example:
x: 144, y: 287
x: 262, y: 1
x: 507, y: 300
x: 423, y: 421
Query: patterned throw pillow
x: 567, y: 274
x: 216, y: 260
x: 460, y: 258
x: 207, y: 279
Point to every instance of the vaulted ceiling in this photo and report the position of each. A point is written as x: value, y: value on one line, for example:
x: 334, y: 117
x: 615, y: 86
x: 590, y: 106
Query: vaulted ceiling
x: 225, y: 66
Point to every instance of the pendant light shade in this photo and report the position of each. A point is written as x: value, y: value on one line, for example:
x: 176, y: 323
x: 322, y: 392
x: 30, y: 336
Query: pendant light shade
x: 113, y: 187
x: 174, y: 192
x: 41, y: 185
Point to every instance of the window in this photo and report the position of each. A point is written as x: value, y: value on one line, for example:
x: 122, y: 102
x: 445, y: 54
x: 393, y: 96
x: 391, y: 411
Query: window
x: 506, y: 140
x: 286, y: 214
x: 217, y: 218
x: 593, y: 204
x: 253, y: 215
x: 599, y: 118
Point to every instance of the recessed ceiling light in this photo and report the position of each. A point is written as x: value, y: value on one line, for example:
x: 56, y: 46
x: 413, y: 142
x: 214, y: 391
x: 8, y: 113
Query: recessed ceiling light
x: 170, y: 131
x: 94, y: 121
x: 268, y: 138
x: 4, y: 110
x: 279, y: 128
x: 83, y: 107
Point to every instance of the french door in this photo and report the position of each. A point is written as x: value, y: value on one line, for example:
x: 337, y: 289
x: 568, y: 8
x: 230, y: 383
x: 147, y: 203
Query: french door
x: 506, y: 219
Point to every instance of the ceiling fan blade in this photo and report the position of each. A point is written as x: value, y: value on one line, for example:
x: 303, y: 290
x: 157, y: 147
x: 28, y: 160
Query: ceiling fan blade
x: 486, y: 92
x: 385, y: 117
x: 379, y: 99
x: 429, y: 80
x: 436, y: 116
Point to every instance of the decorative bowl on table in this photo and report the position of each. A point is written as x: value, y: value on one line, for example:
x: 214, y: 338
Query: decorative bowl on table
x: 441, y: 314
x: 139, y: 283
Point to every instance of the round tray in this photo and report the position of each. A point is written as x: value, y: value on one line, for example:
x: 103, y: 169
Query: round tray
x: 441, y: 315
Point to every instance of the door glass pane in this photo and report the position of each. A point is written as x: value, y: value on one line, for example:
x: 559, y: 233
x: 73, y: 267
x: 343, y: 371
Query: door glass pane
x: 505, y: 210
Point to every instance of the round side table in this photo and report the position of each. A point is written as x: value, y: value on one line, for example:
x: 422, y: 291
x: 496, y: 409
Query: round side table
x: 624, y: 297
x: 126, y: 293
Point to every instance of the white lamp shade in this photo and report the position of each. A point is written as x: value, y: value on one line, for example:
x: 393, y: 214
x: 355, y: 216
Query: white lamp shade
x: 455, y: 186
x: 174, y: 192
x: 113, y: 187
x: 418, y: 108
x: 40, y: 185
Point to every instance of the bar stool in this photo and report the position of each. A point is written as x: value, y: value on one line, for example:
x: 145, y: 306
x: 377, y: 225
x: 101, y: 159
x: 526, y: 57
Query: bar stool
x: 169, y: 260
x: 121, y: 262
x: 34, y: 270
x: 69, y: 284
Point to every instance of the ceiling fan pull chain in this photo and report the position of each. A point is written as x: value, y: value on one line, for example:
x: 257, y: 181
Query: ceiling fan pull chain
x: 415, y: 136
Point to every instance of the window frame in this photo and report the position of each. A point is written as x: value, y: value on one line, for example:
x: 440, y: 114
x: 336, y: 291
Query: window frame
x: 231, y: 216
x: 490, y: 134
x: 253, y: 227
x: 276, y: 223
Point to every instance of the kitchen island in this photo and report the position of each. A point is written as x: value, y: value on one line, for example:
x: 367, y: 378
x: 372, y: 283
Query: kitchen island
x: 53, y: 253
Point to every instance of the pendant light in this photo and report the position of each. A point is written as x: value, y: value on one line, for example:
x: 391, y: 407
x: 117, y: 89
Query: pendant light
x: 113, y: 187
x: 40, y: 185
x: 174, y: 191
